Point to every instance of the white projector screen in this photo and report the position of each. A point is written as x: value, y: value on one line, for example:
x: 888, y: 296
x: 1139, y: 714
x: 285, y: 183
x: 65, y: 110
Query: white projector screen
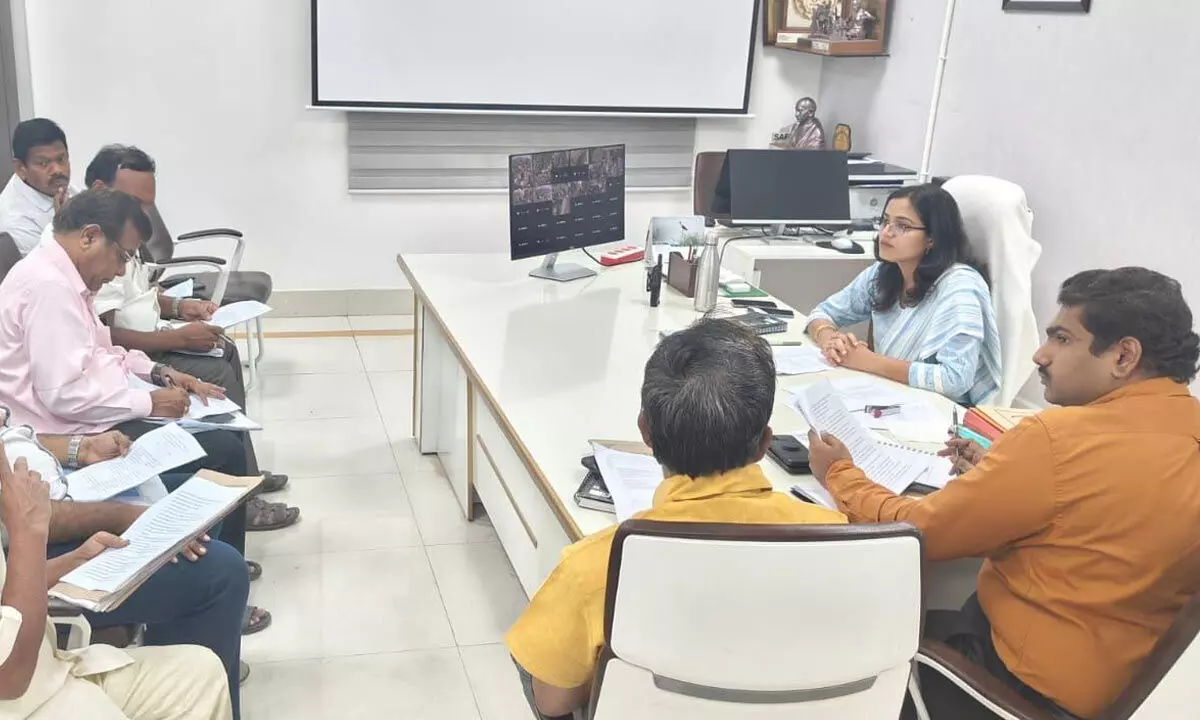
x: 602, y: 56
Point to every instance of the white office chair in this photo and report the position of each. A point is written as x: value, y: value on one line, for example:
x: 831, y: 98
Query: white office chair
x: 998, y: 222
x: 707, y: 621
x: 1164, y: 688
x: 63, y: 614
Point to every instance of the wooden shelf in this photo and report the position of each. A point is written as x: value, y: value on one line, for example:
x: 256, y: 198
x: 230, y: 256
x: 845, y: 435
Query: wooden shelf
x: 835, y: 48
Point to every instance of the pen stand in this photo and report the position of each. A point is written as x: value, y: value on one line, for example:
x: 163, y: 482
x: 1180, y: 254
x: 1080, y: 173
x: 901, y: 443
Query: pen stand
x: 681, y: 274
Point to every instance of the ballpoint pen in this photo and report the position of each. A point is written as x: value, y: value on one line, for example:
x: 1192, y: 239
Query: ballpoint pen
x: 954, y: 434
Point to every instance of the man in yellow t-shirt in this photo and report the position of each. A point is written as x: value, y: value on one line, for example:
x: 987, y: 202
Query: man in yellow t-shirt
x: 707, y: 396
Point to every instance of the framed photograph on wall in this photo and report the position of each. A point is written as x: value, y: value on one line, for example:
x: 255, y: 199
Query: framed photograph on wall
x: 1063, y: 6
x: 772, y: 15
x: 797, y: 16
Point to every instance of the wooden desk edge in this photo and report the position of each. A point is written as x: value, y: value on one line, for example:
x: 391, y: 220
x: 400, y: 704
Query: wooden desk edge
x: 544, y: 486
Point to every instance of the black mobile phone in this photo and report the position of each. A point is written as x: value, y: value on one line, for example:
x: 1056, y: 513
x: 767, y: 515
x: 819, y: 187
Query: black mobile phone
x: 744, y: 303
x: 779, y: 312
x: 790, y: 453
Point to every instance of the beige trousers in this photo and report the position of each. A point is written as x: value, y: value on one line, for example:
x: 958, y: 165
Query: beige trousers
x: 181, y: 682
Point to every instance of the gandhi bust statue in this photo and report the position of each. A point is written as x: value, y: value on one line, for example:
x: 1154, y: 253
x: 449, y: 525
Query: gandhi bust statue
x: 806, y: 133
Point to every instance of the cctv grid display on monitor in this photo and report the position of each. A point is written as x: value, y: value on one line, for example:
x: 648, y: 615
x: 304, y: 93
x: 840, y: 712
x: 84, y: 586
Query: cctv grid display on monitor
x: 566, y: 199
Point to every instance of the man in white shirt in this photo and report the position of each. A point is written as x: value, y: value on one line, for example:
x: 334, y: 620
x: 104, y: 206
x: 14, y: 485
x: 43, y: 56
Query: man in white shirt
x: 134, y: 309
x: 40, y: 183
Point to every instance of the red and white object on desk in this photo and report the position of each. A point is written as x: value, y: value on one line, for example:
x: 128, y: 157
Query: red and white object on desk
x: 622, y: 254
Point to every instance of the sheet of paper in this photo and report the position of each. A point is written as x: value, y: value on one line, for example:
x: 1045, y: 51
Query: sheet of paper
x: 893, y: 468
x: 799, y: 360
x: 631, y: 479
x: 941, y: 471
x: 238, y: 313
x: 181, y: 514
x: 197, y: 410
x: 917, y: 421
x: 182, y: 290
x: 859, y: 391
x: 215, y: 352
x: 150, y: 455
x: 239, y: 422
x: 817, y: 494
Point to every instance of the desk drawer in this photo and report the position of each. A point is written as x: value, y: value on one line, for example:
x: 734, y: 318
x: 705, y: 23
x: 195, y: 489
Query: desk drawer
x: 524, y: 518
x: 516, y: 535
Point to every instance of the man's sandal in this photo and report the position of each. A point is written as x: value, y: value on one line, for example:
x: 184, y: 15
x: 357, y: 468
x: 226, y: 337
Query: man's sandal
x: 262, y: 515
x: 255, y: 620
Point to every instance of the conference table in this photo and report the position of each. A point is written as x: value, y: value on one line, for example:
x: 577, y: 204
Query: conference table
x: 514, y: 376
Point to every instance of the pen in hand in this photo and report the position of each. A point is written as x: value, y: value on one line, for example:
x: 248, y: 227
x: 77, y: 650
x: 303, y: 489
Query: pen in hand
x: 954, y: 434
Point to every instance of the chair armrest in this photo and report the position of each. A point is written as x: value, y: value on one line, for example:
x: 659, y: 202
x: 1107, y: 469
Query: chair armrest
x: 56, y: 608
x: 211, y: 232
x: 985, y: 688
x: 206, y: 259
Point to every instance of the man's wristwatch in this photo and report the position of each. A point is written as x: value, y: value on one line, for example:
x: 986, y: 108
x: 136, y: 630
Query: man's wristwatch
x: 73, y: 451
x: 175, y: 303
x: 158, y: 375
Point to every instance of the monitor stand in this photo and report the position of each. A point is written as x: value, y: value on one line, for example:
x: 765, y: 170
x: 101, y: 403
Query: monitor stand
x: 560, y: 273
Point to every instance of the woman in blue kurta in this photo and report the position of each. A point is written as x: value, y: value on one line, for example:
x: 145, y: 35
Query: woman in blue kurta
x: 933, y: 324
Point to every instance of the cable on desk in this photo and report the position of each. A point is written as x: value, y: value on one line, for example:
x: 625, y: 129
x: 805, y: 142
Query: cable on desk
x: 593, y: 257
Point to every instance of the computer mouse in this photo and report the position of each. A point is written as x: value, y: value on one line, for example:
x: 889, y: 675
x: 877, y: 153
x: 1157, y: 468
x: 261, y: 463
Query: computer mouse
x: 841, y: 242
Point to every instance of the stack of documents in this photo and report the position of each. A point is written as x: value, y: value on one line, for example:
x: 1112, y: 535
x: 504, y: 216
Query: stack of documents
x: 152, y: 454
x: 107, y: 580
x: 631, y: 475
x: 893, y: 466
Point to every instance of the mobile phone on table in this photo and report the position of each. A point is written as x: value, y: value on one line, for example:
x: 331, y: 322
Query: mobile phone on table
x: 779, y: 312
x: 743, y: 303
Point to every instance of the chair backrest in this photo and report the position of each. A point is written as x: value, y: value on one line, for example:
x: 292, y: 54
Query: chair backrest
x: 161, y: 245
x: 759, y: 621
x: 999, y: 224
x: 10, y: 254
x: 1165, y: 687
x: 705, y: 175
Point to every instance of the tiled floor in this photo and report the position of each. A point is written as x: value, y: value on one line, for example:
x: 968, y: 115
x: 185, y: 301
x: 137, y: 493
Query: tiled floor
x: 386, y: 602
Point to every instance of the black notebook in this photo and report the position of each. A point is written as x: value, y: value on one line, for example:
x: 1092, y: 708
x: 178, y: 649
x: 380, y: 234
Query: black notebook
x: 593, y: 494
x: 761, y: 323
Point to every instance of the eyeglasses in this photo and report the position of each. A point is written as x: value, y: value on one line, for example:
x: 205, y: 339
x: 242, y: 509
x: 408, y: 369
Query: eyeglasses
x: 125, y: 255
x: 899, y: 227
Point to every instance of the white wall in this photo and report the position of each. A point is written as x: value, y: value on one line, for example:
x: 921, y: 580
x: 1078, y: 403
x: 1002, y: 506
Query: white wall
x: 1094, y: 115
x: 216, y: 92
x: 781, y: 77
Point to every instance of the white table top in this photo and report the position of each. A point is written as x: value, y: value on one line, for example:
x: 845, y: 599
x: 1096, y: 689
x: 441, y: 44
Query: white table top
x: 563, y: 363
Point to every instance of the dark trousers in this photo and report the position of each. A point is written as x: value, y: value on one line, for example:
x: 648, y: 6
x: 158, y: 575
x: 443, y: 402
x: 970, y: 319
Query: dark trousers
x: 186, y: 603
x: 969, y: 632
x: 527, y: 686
x: 225, y: 454
x: 225, y: 372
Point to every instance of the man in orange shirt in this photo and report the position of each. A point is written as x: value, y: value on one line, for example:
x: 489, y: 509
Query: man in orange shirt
x: 1087, y: 514
x: 707, y: 396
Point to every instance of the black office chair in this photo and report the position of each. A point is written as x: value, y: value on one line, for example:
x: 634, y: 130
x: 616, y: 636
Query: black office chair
x: 223, y: 283
x: 9, y: 254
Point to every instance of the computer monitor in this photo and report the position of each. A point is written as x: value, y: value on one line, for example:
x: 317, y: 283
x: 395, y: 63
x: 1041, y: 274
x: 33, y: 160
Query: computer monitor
x: 784, y: 187
x: 563, y: 200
